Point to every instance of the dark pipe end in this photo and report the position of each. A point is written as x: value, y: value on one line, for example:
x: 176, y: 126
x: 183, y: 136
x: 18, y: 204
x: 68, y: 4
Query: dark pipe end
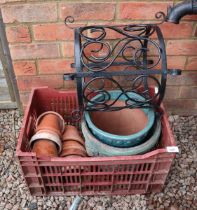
x: 174, y: 14
x: 170, y: 16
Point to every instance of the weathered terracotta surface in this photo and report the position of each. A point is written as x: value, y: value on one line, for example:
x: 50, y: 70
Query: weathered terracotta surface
x: 68, y: 152
x: 50, y: 121
x: 72, y: 147
x: 72, y: 156
x: 44, y: 147
x: 72, y: 144
x: 123, y: 122
x: 47, y: 135
x: 47, y: 131
x: 71, y: 133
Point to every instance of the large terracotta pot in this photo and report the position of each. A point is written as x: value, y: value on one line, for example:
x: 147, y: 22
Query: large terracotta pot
x: 44, y: 147
x: 124, y: 128
x: 95, y: 147
x: 50, y: 121
x: 48, y: 136
x: 71, y: 133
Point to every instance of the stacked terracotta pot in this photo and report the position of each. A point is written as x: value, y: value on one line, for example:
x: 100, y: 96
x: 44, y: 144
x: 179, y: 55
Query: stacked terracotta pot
x: 52, y: 138
x: 73, y: 144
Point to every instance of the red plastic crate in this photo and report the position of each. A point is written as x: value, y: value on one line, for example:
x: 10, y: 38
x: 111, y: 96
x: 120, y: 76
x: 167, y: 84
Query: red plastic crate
x: 90, y: 175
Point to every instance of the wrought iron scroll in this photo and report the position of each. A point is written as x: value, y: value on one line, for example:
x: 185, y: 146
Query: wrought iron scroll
x: 116, y: 58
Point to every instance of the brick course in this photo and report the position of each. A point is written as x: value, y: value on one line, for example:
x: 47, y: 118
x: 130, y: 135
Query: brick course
x: 42, y: 47
x: 192, y: 63
x: 140, y: 10
x: 34, y: 51
x: 52, y: 32
x: 29, y: 13
x: 182, y: 47
x: 18, y: 34
x: 88, y: 11
x: 22, y: 68
x: 54, y: 66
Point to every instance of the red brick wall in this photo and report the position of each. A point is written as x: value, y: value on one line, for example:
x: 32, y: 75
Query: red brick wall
x: 42, y: 47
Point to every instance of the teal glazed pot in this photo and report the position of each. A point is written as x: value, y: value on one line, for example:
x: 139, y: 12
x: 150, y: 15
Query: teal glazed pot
x: 95, y: 148
x: 124, y: 128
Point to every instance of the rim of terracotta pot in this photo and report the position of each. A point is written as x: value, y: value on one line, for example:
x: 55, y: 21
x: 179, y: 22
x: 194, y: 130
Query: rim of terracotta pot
x: 51, y: 112
x: 148, y: 111
x: 47, y: 131
x: 73, y: 156
x: 68, y: 152
x: 49, y: 136
x: 51, y: 129
x: 93, y: 145
x: 68, y: 148
x: 80, y: 142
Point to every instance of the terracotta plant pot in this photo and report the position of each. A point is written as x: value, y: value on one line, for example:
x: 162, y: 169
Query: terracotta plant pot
x: 72, y: 144
x: 124, y: 128
x: 72, y: 147
x: 44, y: 147
x: 71, y: 133
x: 50, y: 121
x: 49, y: 136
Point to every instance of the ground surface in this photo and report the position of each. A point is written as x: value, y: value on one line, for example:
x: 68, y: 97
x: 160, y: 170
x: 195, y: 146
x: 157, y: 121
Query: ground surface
x: 180, y: 192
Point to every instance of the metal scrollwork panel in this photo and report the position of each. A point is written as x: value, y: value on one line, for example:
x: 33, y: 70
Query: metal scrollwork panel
x: 134, y: 42
x: 102, y: 86
x: 124, y: 58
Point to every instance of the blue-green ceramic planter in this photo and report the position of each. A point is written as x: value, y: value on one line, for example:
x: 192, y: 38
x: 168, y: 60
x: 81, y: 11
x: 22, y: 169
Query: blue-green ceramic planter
x: 119, y: 140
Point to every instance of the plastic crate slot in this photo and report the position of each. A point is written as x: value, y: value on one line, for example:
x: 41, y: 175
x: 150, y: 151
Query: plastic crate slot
x: 85, y: 179
x: 120, y: 172
x: 100, y: 184
x: 54, y: 104
x: 65, y: 179
x: 140, y: 177
x: 62, y: 107
x: 70, y: 179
